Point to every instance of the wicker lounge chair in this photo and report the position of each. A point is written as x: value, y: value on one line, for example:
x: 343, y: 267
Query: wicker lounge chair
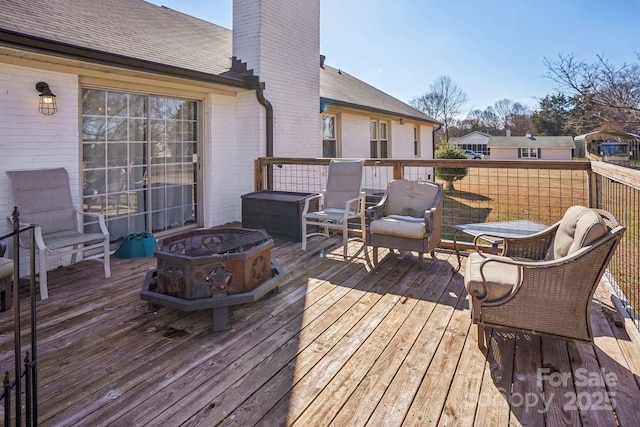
x: 543, y: 283
x: 409, y: 218
x: 43, y: 197
x: 342, y: 200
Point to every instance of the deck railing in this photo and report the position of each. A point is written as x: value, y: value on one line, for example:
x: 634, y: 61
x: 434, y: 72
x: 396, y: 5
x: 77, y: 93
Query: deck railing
x: 494, y: 190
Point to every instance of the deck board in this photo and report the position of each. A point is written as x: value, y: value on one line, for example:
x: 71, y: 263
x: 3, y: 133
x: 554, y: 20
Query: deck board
x: 342, y: 343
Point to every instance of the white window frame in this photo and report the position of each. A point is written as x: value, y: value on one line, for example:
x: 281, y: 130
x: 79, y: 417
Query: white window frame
x: 379, y: 139
x: 331, y: 139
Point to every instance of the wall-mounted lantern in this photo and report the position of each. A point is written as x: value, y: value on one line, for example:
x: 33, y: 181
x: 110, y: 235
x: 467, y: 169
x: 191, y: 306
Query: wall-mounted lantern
x: 47, y: 104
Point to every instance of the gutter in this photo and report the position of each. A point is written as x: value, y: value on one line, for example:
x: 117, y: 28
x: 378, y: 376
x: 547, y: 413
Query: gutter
x: 269, y: 124
x: 65, y: 50
x: 433, y: 140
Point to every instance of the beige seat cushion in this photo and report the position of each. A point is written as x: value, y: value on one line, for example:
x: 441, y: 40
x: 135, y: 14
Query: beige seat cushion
x: 6, y: 268
x: 400, y: 226
x: 501, y: 278
x: 410, y: 198
x: 579, y: 227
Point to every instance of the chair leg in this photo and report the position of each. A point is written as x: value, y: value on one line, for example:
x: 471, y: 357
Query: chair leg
x: 375, y: 255
x: 345, y: 240
x: 106, y: 260
x: 304, y: 234
x: 482, y: 342
x: 43, y: 266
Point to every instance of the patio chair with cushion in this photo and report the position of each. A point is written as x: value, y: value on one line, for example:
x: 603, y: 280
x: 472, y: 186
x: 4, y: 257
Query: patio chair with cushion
x: 543, y: 283
x: 43, y: 197
x: 408, y: 218
x: 342, y: 200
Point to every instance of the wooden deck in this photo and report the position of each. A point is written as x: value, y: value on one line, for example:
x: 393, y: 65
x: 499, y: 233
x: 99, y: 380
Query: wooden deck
x: 342, y: 344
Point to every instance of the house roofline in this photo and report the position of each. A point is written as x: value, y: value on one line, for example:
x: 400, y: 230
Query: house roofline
x: 46, y: 46
x: 337, y: 103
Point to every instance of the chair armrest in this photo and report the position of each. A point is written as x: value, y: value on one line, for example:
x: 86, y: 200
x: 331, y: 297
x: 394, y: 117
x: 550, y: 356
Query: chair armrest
x: 101, y: 221
x: 308, y: 200
x: 360, y: 201
x: 534, y: 246
x: 374, y: 212
x: 528, y: 268
x: 37, y: 233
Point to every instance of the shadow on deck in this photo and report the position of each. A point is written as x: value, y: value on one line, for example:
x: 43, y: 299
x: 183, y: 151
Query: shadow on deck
x: 343, y: 343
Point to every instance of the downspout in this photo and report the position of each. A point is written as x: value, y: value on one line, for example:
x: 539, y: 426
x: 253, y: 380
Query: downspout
x: 433, y: 140
x: 433, y: 148
x: 269, y: 124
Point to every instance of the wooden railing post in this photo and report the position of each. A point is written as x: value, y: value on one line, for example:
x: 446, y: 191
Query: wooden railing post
x: 258, y: 175
x: 398, y: 170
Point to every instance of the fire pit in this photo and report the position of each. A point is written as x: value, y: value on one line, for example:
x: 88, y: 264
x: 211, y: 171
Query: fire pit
x: 212, y: 268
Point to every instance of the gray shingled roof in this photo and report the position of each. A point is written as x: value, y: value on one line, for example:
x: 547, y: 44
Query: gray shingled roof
x: 141, y: 31
x: 340, y: 88
x: 531, y: 142
x: 130, y: 28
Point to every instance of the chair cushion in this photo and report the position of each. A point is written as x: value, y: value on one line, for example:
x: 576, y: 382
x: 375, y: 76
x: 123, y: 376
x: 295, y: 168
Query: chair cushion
x: 501, y: 278
x: 65, y: 239
x: 579, y: 227
x: 409, y: 197
x: 6, y: 268
x: 396, y: 225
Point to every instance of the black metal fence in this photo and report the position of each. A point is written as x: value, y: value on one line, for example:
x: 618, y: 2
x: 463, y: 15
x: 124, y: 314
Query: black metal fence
x: 19, y: 398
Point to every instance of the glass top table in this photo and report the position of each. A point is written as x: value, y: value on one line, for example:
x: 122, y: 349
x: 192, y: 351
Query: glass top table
x: 497, y: 231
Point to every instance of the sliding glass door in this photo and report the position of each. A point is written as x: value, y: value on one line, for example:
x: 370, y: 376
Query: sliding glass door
x: 139, y: 156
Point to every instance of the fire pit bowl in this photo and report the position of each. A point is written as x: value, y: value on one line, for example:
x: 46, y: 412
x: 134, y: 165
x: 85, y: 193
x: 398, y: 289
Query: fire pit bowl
x: 204, y: 263
x: 212, y: 268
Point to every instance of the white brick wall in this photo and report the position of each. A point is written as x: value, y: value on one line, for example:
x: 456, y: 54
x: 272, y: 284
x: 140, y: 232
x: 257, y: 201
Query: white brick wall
x: 237, y: 138
x: 29, y: 139
x: 280, y: 41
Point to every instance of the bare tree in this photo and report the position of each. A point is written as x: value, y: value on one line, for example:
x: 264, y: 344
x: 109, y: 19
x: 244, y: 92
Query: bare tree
x: 512, y: 115
x: 443, y: 102
x: 610, y: 94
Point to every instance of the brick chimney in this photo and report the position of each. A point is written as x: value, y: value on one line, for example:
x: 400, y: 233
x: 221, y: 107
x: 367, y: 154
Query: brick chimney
x: 280, y: 41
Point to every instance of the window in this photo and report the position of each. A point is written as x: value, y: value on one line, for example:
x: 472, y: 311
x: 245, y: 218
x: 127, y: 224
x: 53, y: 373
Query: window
x: 529, y: 153
x: 378, y: 139
x: 139, y: 157
x: 329, y: 137
x: 416, y: 141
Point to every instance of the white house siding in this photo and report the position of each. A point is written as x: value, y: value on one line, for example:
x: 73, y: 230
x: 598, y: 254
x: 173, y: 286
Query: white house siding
x: 354, y: 136
x: 29, y: 139
x: 556, y: 154
x: 546, y: 153
x: 237, y: 137
x: 504, y: 153
x: 280, y: 41
x: 401, y: 140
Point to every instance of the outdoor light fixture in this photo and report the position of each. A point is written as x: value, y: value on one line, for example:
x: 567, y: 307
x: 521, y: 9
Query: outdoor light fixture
x: 47, y: 105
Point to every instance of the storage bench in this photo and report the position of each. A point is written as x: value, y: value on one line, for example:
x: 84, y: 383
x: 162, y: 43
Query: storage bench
x: 276, y: 212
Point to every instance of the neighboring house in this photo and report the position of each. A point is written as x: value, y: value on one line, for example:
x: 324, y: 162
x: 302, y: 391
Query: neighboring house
x: 160, y: 115
x: 531, y: 147
x: 476, y: 141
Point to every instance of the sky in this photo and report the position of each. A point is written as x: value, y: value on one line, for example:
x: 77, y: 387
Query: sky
x: 491, y: 49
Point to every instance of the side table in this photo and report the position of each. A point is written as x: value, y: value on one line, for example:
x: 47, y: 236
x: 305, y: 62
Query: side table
x: 493, y: 232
